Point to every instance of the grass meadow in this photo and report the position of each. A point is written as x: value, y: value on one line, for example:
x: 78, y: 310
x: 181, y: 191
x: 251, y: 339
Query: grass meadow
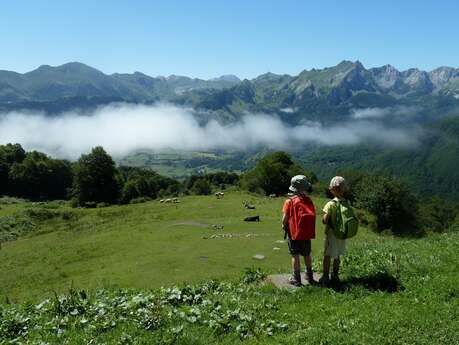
x: 79, y: 276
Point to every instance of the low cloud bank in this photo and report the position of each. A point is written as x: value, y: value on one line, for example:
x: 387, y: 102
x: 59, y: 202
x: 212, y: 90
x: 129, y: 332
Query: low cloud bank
x: 124, y: 128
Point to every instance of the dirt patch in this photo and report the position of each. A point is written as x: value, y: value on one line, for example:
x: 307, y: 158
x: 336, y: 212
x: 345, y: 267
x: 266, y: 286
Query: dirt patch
x: 281, y: 280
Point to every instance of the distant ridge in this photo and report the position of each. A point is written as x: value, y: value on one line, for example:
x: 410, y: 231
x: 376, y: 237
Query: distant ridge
x: 312, y: 94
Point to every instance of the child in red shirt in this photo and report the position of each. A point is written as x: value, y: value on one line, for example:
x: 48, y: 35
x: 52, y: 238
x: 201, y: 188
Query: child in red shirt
x: 298, y: 221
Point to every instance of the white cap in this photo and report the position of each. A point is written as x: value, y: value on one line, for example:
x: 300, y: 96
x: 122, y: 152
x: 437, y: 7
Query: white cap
x: 338, y: 182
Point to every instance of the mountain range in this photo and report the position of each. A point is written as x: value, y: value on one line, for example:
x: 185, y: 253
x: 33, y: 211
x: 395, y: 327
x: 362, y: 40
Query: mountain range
x: 345, y: 92
x: 316, y: 94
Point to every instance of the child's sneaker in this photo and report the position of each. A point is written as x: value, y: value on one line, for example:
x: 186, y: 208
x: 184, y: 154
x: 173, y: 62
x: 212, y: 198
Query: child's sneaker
x: 309, y: 276
x: 295, y: 280
x: 335, y: 278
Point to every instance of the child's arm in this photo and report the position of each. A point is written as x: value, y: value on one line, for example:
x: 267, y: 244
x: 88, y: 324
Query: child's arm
x: 285, y: 218
x: 284, y: 221
x: 326, y: 210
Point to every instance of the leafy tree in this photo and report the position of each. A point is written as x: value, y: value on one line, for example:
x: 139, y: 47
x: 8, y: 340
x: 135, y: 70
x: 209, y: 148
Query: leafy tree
x: 9, y: 154
x: 273, y: 173
x: 140, y: 182
x: 436, y: 214
x: 393, y: 204
x: 218, y: 179
x: 40, y: 177
x: 222, y: 178
x: 201, y: 187
x: 96, y: 178
x: 138, y: 187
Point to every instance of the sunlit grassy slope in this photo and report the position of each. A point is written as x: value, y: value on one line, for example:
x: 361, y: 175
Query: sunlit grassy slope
x: 144, y: 245
x: 148, y: 245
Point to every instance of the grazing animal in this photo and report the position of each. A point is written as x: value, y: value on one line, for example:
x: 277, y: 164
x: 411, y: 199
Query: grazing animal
x: 175, y: 200
x: 219, y: 195
x: 252, y: 219
x: 161, y: 201
x: 168, y: 200
x: 248, y: 206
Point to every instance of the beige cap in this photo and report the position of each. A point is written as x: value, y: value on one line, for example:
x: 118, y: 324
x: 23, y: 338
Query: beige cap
x: 338, y: 182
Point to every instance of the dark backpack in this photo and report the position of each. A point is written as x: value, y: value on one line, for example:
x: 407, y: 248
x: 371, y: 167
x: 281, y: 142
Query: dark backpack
x: 347, y: 224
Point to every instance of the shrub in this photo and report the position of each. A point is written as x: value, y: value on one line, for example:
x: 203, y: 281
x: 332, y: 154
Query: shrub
x: 436, y: 214
x: 40, y: 214
x: 7, y: 200
x: 140, y: 200
x: 253, y: 275
x: 12, y: 227
x: 455, y: 224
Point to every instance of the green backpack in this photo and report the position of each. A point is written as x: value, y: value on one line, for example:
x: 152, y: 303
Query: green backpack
x: 347, y: 224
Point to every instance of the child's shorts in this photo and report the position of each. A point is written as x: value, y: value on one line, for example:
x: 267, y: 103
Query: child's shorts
x: 334, y: 246
x: 299, y: 247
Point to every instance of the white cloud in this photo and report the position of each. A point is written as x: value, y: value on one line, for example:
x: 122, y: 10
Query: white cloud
x: 370, y: 113
x: 124, y: 128
x: 378, y: 113
x: 288, y: 110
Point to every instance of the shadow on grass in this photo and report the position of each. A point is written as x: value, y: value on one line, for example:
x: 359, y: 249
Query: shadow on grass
x: 383, y: 282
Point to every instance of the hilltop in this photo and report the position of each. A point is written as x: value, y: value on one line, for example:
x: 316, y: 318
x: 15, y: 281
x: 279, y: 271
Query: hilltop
x: 106, y: 266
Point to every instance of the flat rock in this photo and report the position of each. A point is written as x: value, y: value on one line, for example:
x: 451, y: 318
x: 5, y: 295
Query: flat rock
x: 281, y: 280
x: 258, y: 257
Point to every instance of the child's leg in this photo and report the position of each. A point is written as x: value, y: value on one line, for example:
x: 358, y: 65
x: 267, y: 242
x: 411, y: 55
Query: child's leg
x: 295, y: 263
x: 308, y: 262
x: 326, y: 265
x: 336, y: 262
x: 296, y: 276
x: 308, y: 271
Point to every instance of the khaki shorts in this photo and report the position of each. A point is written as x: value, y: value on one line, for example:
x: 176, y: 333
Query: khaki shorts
x: 334, y: 247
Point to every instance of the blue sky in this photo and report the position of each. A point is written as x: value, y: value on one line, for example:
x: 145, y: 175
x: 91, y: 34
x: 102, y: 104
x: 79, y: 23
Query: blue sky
x: 210, y: 38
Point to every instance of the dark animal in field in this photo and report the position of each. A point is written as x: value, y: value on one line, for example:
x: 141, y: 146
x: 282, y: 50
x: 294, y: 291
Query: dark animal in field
x: 219, y: 195
x: 248, y: 206
x: 252, y: 219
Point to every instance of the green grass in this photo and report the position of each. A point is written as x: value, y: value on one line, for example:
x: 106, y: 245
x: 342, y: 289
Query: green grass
x: 143, y: 245
x: 180, y: 164
x: 395, y: 291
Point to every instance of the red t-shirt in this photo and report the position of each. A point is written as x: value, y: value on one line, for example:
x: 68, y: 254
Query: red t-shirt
x: 301, y: 215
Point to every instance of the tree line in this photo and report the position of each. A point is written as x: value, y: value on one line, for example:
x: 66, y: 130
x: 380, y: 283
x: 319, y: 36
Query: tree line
x: 385, y: 203
x: 93, y: 179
